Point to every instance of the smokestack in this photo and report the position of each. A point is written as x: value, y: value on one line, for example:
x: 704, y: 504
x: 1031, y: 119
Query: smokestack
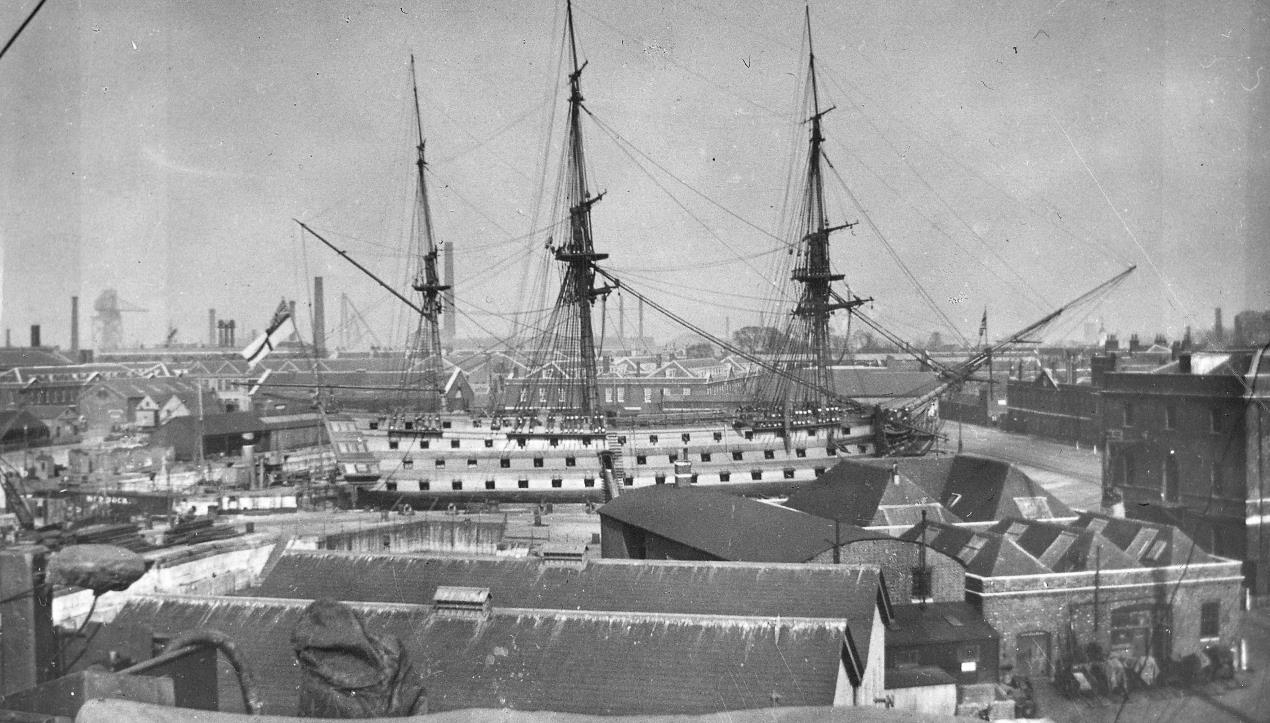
x: 211, y: 328
x: 448, y: 294
x: 7, y: 341
x: 319, y: 317
x: 75, y: 326
x: 641, y: 320
x: 1219, y: 331
x: 35, y: 335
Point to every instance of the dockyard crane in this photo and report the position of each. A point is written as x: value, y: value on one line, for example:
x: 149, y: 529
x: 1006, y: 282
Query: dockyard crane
x: 108, y: 323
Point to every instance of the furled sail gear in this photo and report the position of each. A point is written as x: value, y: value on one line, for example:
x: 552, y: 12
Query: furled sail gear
x: 348, y: 672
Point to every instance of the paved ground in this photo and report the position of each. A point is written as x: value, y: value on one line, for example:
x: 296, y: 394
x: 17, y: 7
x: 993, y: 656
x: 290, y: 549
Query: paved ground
x: 1072, y: 474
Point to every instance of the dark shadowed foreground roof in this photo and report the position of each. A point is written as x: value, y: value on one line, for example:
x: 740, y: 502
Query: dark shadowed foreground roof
x: 984, y: 553
x: 592, y: 663
x: 935, y: 623
x: 717, y: 588
x: 867, y: 494
x: 727, y: 526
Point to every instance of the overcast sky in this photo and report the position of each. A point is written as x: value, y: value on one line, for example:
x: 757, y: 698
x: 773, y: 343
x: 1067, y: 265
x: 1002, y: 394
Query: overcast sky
x: 1012, y: 154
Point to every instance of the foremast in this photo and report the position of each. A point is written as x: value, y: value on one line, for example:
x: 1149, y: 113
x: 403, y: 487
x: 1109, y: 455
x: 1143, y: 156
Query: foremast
x: 817, y: 302
x: 426, y: 352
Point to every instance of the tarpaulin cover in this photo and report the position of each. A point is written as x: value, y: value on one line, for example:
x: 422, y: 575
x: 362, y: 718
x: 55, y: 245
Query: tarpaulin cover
x: 100, y: 568
x: 347, y: 672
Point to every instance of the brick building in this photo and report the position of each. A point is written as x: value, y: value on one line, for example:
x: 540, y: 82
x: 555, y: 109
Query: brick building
x: 1131, y: 587
x: 1189, y: 443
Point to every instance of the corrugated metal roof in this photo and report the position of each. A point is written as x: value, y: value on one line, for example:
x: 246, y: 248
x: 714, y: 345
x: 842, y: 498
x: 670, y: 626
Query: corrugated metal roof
x: 592, y: 663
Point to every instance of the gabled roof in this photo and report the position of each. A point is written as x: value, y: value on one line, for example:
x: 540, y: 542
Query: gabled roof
x: 1063, y: 548
x: 531, y: 660
x: 728, y: 527
x: 986, y: 554
x: 1147, y: 543
x: 718, y: 588
x: 867, y: 494
x: 980, y: 489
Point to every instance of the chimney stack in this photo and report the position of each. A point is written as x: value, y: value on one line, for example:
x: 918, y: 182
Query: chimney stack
x: 683, y: 470
x: 75, y: 327
x: 641, y: 321
x: 319, y: 318
x: 211, y: 328
x: 1219, y: 330
x: 35, y: 335
x: 448, y: 295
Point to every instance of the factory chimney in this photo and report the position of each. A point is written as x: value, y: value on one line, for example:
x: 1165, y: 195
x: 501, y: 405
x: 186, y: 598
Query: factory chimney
x: 75, y: 327
x: 211, y: 328
x: 641, y: 321
x: 319, y: 318
x: 448, y: 294
x: 1219, y: 330
x: 35, y: 335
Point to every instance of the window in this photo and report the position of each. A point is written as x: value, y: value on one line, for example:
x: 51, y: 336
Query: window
x: 471, y: 463
x: 621, y: 439
x: 819, y: 471
x: 537, y: 461
x: 831, y: 451
x: 608, y: 395
x: 749, y: 434
x: 672, y: 458
x: 621, y: 394
x: 556, y: 482
x: 769, y: 454
x: 1170, y: 417
x: 392, y: 443
x: 454, y: 444
x: 522, y: 483
x: 629, y: 481
x: 738, y: 456
x: 756, y: 474
x: 725, y: 476
x: 788, y: 472
x: 922, y: 578
x: 456, y: 484
x: 424, y: 444
x: 489, y: 484
x: 648, y: 396
x: 800, y: 452
x: 374, y: 424
x: 1210, y: 619
x: 588, y: 481
x: 1128, y: 414
x: 686, y: 437
x: 505, y: 462
x: 660, y: 479
x: 391, y: 486
x: 554, y: 441
x: 407, y: 463
x: 641, y: 459
x: 969, y: 657
x: 705, y: 456
x: 570, y: 461
x: 489, y: 444
x: 652, y: 438
x: 440, y: 461
x: 718, y: 436
x: 424, y: 485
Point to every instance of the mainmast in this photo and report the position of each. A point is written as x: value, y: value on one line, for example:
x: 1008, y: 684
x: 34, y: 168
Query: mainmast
x: 426, y: 281
x: 577, y: 253
x: 817, y: 302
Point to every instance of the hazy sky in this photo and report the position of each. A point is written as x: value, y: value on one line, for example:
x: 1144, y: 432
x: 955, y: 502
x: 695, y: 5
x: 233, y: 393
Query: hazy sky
x: 1011, y: 153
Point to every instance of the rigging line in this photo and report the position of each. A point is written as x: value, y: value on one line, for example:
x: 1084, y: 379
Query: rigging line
x: 672, y: 285
x: 620, y: 139
x: 899, y: 120
x: 895, y: 256
x: 1174, y: 301
x: 983, y: 242
x: 684, y: 208
x: 506, y: 127
x: 479, y: 211
x: 667, y: 57
x: 18, y: 32
x: 699, y: 266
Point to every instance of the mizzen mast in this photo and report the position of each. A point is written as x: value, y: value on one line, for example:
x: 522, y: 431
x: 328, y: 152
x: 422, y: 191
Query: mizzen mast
x: 817, y: 302
x: 427, y: 282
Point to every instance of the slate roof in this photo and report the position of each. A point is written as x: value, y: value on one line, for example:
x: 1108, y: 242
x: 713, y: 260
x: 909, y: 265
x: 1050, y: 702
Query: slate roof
x: 985, y: 554
x: 25, y: 356
x: 723, y: 588
x: 980, y: 489
x: 588, y: 663
x: 867, y: 494
x: 216, y: 425
x: 941, y: 622
x: 1063, y: 548
x: 917, y: 677
x: 1147, y: 543
x: 728, y: 527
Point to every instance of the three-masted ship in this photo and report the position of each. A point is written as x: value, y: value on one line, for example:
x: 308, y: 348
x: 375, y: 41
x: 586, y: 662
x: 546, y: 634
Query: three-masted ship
x: 553, y: 437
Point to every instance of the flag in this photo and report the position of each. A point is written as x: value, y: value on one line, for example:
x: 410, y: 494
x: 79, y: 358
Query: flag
x: 280, y: 328
x: 983, y: 323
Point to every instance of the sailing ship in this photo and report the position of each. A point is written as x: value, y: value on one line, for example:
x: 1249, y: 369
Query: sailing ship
x: 553, y: 438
